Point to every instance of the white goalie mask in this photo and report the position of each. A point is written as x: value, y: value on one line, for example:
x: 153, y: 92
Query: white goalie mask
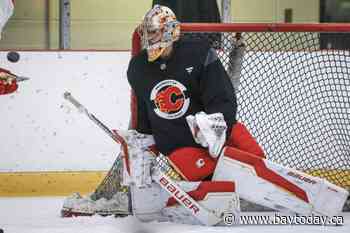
x: 159, y: 30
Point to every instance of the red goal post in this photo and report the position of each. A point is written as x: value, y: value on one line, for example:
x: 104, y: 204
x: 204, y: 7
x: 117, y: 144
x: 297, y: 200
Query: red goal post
x: 252, y: 27
x: 265, y: 27
x: 293, y: 93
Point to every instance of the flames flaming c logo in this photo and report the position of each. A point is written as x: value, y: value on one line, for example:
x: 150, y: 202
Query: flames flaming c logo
x: 169, y: 99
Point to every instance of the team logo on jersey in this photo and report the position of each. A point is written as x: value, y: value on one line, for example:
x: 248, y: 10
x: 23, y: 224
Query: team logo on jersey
x: 169, y: 99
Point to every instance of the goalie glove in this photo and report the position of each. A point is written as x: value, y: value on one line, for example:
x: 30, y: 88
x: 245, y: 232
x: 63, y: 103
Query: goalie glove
x: 208, y: 130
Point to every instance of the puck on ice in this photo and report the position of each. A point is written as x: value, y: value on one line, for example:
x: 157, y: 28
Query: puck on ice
x: 12, y: 57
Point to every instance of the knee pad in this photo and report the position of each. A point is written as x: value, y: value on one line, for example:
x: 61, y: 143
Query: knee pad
x: 242, y: 139
x: 193, y: 164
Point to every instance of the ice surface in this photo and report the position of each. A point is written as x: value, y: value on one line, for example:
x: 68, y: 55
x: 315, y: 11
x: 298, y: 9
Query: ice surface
x: 41, y: 215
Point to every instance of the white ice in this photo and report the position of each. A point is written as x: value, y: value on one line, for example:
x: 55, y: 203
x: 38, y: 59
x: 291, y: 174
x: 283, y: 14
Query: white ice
x: 41, y: 215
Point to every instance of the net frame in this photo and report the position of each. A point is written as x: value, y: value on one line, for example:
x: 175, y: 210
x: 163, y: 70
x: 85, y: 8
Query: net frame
x: 338, y: 175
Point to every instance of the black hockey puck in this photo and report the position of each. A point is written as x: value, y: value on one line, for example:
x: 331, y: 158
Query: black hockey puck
x: 1, y: 230
x: 12, y: 56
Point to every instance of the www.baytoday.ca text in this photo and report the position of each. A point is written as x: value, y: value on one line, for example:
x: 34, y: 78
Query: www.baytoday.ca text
x: 279, y: 219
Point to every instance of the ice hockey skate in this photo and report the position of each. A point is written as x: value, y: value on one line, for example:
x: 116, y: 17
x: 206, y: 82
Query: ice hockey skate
x: 76, y: 205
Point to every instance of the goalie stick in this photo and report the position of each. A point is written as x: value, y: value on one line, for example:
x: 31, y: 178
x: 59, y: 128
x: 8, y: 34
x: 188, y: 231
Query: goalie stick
x: 205, y: 216
x: 21, y: 78
x: 12, y: 76
x: 68, y: 96
x: 17, y: 78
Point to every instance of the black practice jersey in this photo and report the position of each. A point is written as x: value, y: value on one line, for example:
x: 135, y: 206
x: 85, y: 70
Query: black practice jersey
x: 191, y: 80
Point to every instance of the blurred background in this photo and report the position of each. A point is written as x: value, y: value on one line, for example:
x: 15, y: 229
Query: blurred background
x: 108, y: 24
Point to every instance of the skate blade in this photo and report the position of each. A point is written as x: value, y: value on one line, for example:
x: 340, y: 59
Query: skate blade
x: 68, y: 213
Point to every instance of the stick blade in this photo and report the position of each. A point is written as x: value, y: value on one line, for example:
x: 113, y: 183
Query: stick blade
x: 21, y: 78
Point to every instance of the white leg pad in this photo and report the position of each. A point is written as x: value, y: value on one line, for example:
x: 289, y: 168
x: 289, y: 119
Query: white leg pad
x: 154, y: 203
x: 288, y: 190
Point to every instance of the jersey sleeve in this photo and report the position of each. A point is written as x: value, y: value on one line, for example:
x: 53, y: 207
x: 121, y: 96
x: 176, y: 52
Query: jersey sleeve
x: 139, y: 115
x: 217, y: 92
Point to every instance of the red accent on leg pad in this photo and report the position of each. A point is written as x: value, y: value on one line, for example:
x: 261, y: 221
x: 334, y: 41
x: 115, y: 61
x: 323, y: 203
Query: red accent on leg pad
x: 194, y: 164
x: 264, y: 172
x: 206, y: 187
x: 242, y: 139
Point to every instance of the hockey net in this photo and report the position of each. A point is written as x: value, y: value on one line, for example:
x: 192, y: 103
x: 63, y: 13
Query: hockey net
x: 293, y: 93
